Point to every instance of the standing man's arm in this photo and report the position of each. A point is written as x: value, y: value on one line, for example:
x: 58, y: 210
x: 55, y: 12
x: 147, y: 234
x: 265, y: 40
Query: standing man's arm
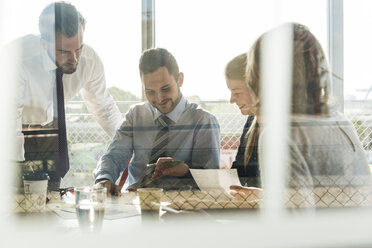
x: 97, y: 98
x: 20, y: 96
x: 13, y: 75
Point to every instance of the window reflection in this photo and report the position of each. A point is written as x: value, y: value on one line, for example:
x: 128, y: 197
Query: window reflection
x: 326, y: 160
x: 317, y: 134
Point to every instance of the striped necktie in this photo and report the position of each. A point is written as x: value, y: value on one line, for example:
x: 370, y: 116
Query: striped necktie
x: 159, y: 147
x: 63, y: 161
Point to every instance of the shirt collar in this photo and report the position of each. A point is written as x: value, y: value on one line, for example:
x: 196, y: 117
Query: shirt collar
x: 176, y: 113
x: 48, y: 63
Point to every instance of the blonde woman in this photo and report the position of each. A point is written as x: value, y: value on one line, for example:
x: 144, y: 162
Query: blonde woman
x: 249, y: 174
x: 321, y: 142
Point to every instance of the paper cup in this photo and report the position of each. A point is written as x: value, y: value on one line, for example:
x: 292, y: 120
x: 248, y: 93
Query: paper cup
x: 35, y: 189
x: 150, y: 198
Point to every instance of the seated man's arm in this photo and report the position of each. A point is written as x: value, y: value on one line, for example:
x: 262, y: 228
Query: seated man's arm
x: 114, y: 161
x: 112, y: 188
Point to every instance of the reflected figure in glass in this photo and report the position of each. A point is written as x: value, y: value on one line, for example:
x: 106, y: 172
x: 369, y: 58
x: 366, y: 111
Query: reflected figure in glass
x: 324, y: 148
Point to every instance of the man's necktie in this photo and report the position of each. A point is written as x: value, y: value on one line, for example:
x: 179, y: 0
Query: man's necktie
x: 160, y: 145
x: 63, y: 161
x: 159, y: 149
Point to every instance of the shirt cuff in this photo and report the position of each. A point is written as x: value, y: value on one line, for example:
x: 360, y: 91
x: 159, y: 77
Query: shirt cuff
x: 104, y: 177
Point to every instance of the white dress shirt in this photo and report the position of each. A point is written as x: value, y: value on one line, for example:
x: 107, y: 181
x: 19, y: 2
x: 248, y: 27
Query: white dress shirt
x: 36, y: 81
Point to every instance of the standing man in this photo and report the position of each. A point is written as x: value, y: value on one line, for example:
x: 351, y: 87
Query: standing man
x: 60, y: 50
x: 165, y: 128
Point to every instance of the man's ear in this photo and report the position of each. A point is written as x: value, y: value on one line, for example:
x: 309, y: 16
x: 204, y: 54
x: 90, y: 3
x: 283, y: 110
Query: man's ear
x: 180, y: 79
x: 43, y: 44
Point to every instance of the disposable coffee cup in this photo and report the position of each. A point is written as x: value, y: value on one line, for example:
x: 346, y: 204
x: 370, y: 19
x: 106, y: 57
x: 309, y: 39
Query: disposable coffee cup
x: 35, y: 190
x: 150, y: 198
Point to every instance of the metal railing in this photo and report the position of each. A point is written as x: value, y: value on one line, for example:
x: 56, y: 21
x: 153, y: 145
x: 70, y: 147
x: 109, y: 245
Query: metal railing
x: 88, y: 142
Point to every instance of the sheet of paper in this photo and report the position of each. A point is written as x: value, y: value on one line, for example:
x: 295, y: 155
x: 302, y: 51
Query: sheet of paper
x: 117, y: 211
x: 215, y: 179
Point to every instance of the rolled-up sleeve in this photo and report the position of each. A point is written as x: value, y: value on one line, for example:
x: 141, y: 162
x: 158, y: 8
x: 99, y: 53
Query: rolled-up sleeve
x: 98, y: 99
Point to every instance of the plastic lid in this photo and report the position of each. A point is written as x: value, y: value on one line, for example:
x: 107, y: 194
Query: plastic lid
x: 36, y: 176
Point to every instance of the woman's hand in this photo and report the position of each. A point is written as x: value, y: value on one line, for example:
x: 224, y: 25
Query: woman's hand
x: 246, y: 193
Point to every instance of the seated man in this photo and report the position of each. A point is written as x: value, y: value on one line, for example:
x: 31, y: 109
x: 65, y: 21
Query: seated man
x: 165, y: 128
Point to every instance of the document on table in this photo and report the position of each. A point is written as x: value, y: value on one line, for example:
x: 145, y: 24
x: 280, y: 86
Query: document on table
x: 215, y: 179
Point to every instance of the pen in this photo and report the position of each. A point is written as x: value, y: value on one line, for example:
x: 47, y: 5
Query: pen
x: 172, y: 210
x: 167, y: 163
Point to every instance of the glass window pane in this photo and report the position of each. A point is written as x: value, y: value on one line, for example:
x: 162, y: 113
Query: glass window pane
x: 205, y: 35
x: 115, y: 35
x: 357, y: 82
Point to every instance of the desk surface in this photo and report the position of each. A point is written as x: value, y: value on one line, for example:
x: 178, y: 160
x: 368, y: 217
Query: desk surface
x: 197, y: 228
x: 216, y: 227
x: 69, y: 225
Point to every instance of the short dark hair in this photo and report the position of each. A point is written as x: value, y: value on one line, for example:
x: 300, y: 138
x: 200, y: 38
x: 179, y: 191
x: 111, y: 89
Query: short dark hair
x: 60, y: 17
x: 154, y: 58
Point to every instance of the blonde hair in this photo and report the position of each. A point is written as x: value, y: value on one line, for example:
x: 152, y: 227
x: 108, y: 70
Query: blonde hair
x: 310, y: 78
x: 236, y: 67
